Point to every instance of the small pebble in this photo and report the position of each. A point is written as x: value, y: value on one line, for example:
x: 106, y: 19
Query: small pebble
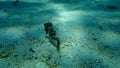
x: 4, y: 54
x: 31, y: 50
x: 95, y: 39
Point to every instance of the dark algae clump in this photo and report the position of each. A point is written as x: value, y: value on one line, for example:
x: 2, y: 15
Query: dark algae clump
x: 111, y: 7
x: 51, y: 33
x: 15, y: 3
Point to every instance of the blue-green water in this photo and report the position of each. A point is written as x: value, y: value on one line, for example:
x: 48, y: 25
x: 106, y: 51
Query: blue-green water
x: 88, y: 31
